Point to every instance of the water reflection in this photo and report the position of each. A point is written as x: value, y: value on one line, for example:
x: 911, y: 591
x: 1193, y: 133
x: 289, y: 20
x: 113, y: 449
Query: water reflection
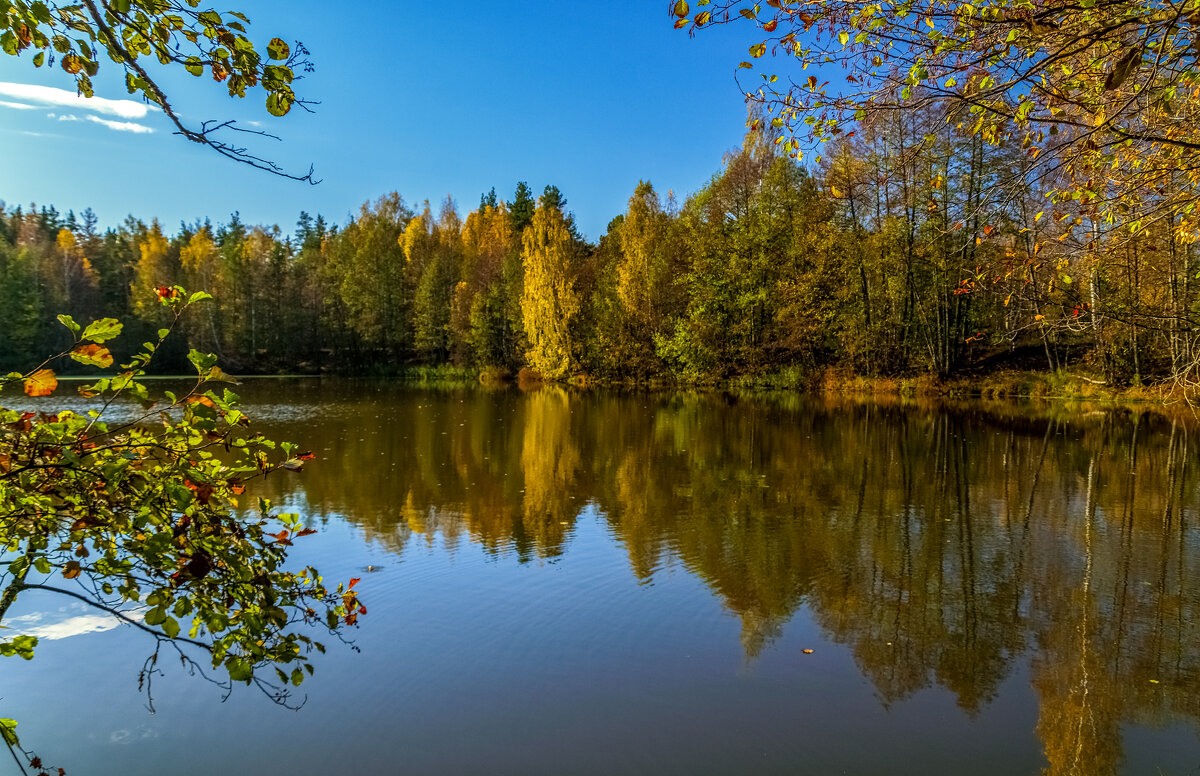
x: 941, y: 547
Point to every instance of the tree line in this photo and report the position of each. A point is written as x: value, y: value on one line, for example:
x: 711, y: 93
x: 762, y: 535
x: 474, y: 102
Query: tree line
x: 910, y: 246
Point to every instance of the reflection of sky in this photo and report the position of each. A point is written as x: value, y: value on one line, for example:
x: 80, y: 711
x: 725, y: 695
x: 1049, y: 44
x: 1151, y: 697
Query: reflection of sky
x: 62, y: 624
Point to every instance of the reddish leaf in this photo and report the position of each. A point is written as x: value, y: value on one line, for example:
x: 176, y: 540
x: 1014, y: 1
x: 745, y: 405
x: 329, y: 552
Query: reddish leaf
x: 203, y: 491
x: 354, y: 581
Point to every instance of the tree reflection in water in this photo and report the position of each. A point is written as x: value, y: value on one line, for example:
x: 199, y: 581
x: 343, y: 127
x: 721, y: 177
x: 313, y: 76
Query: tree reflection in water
x: 940, y: 545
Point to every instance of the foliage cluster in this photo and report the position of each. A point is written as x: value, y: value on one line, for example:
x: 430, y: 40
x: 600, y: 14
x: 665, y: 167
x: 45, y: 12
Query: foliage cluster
x: 144, y: 36
x: 131, y: 507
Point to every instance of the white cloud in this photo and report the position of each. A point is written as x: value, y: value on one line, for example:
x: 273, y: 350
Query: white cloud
x: 63, y: 116
x: 74, y: 626
x: 122, y: 126
x: 47, y: 96
x: 17, y: 105
x: 36, y: 625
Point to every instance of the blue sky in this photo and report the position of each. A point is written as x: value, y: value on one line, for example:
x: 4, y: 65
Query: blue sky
x: 427, y: 99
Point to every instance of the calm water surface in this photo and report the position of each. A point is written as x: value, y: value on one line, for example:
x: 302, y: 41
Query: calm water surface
x: 599, y: 583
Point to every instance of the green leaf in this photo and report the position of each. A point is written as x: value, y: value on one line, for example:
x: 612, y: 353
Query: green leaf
x: 102, y: 330
x: 202, y: 361
x: 69, y: 322
x: 8, y: 731
x: 170, y: 627
x: 240, y: 670
x: 279, y: 103
x: 277, y: 49
x: 156, y: 616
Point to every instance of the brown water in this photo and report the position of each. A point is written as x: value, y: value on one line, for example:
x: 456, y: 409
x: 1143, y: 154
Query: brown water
x: 601, y: 583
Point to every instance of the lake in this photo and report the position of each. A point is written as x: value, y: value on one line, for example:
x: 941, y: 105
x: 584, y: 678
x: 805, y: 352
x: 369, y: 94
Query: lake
x: 689, y: 583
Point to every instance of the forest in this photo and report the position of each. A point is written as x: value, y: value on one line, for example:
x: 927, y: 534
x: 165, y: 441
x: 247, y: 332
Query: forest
x: 908, y: 247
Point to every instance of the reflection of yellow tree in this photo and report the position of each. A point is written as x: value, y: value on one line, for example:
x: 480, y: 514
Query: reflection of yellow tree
x: 549, y: 462
x: 938, y: 547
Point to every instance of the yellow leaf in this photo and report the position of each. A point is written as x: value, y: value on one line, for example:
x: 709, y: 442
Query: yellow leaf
x: 41, y: 383
x: 93, y: 355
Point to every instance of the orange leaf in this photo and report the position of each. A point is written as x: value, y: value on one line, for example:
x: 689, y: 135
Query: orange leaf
x: 771, y: 25
x: 71, y: 570
x: 93, y: 355
x: 354, y: 581
x: 41, y: 383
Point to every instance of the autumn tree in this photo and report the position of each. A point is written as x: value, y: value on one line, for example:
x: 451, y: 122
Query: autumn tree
x: 549, y: 302
x: 157, y: 267
x: 434, y: 253
x: 1099, y: 98
x: 367, y: 257
x: 478, y: 321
